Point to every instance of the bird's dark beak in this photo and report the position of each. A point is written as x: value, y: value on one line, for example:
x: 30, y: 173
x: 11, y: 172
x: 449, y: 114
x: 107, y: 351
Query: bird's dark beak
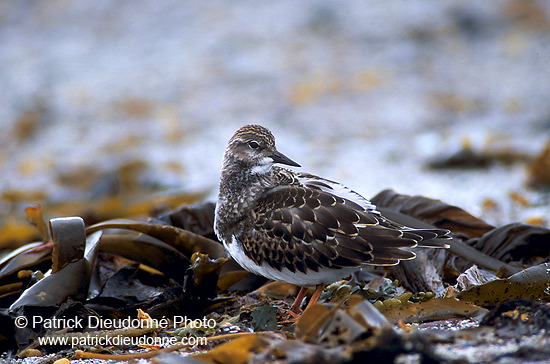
x: 279, y: 157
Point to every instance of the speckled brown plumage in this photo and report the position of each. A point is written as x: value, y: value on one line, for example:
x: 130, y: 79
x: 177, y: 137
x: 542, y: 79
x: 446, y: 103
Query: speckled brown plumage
x: 297, y: 227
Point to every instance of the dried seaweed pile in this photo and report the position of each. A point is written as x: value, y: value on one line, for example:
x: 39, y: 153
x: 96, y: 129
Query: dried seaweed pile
x: 158, y: 271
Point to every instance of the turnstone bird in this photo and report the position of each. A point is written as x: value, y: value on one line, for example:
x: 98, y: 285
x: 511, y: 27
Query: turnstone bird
x: 297, y: 227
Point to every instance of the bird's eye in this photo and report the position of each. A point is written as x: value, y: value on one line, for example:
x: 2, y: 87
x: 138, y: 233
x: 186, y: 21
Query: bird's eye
x: 253, y: 144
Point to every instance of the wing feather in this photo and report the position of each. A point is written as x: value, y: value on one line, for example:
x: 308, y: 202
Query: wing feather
x: 302, y: 229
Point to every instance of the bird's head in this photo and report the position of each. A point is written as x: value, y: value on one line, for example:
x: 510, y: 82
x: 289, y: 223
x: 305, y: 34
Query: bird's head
x: 254, y: 146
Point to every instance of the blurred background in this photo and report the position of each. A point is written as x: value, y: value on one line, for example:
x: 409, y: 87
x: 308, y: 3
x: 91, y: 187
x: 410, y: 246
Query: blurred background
x: 125, y: 108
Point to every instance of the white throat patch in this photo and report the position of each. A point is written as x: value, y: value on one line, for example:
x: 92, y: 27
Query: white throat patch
x: 264, y: 167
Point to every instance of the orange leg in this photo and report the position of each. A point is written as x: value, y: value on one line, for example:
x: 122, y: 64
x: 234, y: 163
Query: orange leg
x: 295, y: 308
x: 295, y: 311
x: 315, y: 297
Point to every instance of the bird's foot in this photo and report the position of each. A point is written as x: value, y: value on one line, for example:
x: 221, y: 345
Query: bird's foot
x: 289, y: 316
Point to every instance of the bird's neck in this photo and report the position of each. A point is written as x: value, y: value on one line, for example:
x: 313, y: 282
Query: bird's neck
x: 239, y: 191
x: 240, y: 186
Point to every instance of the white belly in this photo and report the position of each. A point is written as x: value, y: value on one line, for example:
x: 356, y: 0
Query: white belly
x: 311, y: 278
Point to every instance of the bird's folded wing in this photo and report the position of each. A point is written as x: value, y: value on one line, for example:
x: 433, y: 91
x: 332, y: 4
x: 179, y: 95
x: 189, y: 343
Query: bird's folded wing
x: 305, y: 229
